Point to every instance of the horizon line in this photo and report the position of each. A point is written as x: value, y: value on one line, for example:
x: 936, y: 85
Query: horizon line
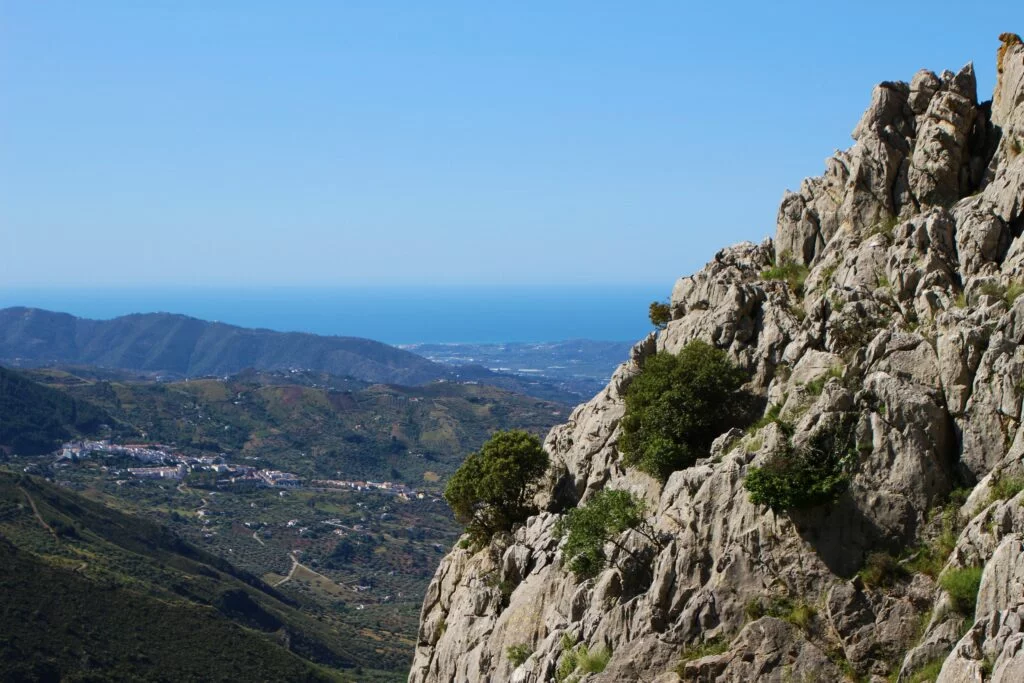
x: 136, y: 286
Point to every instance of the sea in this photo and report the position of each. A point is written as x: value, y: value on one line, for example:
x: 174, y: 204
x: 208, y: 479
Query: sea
x: 392, y: 314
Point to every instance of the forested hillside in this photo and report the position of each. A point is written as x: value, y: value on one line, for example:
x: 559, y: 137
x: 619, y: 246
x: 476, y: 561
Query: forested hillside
x: 35, y: 419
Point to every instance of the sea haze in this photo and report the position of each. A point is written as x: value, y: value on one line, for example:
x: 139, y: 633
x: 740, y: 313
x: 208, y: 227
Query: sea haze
x: 395, y: 315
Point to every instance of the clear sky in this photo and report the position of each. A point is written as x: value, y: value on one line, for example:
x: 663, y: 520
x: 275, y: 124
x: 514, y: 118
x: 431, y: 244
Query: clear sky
x: 250, y: 143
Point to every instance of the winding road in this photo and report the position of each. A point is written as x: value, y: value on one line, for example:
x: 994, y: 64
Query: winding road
x: 291, y: 572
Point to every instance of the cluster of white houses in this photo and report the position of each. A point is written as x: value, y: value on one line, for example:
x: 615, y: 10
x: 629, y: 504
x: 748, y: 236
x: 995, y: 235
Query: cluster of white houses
x: 384, y: 486
x: 143, y: 452
x: 162, y: 462
x: 177, y: 472
x: 165, y: 463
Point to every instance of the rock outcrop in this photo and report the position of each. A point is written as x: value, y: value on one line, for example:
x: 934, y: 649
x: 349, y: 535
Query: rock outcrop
x: 908, y: 318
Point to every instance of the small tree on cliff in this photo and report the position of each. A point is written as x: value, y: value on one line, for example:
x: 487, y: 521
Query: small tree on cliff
x: 677, y: 405
x: 660, y: 314
x: 601, y: 521
x: 492, y: 490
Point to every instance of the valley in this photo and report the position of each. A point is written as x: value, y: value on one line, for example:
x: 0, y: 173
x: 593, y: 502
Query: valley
x: 324, y: 488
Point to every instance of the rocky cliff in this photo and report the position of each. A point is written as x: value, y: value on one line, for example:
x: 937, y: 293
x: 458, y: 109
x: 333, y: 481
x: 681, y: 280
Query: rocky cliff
x: 901, y: 307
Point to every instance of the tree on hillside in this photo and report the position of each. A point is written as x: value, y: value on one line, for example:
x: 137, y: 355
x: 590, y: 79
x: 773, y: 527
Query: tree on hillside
x: 678, y: 405
x: 493, y: 488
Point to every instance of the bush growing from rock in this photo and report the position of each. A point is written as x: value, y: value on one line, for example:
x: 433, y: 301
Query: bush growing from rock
x: 678, y: 405
x: 928, y: 673
x: 1006, y: 487
x: 789, y: 271
x: 798, y: 612
x: 600, y: 521
x: 594, y: 662
x: 817, y: 385
x: 492, y: 490
x: 517, y: 654
x: 714, y: 646
x: 881, y: 570
x: 962, y: 586
x: 581, y: 659
x: 809, y: 475
x: 929, y: 558
x: 660, y: 314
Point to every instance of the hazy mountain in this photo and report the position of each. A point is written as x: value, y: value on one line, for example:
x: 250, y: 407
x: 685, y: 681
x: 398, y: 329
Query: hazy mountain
x: 180, y: 345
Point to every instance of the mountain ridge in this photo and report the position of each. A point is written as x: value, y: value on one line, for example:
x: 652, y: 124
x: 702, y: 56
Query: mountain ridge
x: 181, y: 346
x: 188, y: 346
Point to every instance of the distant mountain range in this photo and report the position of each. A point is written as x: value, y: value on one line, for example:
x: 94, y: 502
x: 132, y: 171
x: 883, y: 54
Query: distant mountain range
x: 178, y: 346
x: 189, y: 347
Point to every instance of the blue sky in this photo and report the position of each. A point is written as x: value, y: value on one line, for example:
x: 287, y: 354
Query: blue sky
x: 334, y: 143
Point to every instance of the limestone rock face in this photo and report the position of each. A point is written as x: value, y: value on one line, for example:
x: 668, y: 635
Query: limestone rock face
x: 768, y: 649
x: 907, y: 324
x: 940, y: 169
x: 994, y: 646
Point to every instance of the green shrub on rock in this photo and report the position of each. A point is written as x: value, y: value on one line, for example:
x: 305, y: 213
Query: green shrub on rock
x: 492, y: 490
x: 580, y: 661
x: 1006, y: 487
x: 594, y: 662
x: 962, y: 586
x: 678, y: 405
x: 928, y: 673
x: 517, y: 654
x: 600, y: 521
x: 660, y: 314
x: 882, y: 570
x: 930, y: 558
x: 814, y: 474
x: 789, y: 271
x: 713, y: 646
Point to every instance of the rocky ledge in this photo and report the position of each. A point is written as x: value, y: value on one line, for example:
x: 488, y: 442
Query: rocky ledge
x: 902, y: 307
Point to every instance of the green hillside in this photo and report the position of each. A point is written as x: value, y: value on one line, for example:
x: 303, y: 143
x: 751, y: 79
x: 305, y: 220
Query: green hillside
x: 342, y: 572
x: 35, y: 419
x: 314, y: 424
x: 93, y: 594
